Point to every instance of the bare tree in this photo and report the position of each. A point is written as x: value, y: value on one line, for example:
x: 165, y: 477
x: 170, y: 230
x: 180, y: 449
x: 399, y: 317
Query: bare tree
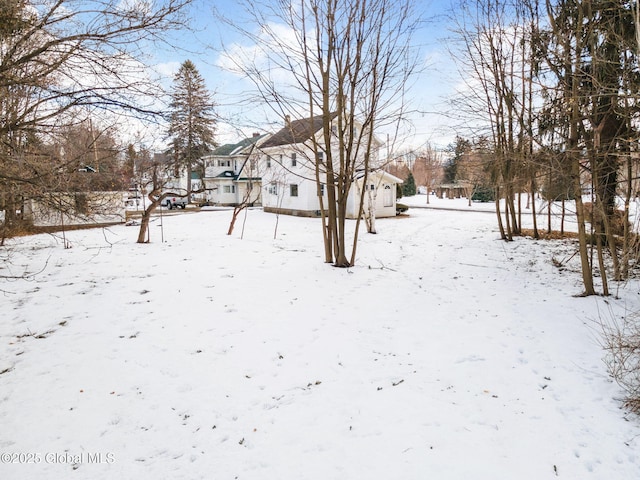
x: 496, y: 58
x: 154, y: 176
x: 61, y: 59
x: 250, y: 194
x: 348, y: 63
x: 427, y: 169
x: 474, y: 167
x: 369, y: 193
x: 276, y: 188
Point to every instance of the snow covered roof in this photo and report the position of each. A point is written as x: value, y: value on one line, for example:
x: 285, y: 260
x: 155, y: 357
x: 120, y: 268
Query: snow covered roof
x: 386, y: 176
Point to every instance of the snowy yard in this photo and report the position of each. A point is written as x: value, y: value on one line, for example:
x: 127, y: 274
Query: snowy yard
x: 444, y: 354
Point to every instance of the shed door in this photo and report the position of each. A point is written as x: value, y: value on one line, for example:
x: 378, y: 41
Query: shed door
x: 388, y: 196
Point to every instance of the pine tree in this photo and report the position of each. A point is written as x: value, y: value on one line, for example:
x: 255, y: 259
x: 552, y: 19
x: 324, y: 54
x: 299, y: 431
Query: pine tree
x: 409, y: 186
x: 192, y: 122
x: 457, y: 150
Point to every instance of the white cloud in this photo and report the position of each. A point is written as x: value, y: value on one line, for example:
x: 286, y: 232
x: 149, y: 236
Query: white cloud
x: 168, y: 69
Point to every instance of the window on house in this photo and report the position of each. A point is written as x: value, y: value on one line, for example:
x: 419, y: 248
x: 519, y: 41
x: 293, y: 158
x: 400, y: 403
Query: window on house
x: 253, y: 164
x: 273, y: 189
x: 229, y: 189
x: 293, y: 190
x: 268, y: 161
x: 320, y: 156
x: 294, y: 160
x: 224, y: 163
x: 334, y: 129
x: 321, y: 190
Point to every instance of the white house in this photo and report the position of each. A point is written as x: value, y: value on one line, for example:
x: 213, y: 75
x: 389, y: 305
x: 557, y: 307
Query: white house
x: 232, y: 173
x: 289, y: 179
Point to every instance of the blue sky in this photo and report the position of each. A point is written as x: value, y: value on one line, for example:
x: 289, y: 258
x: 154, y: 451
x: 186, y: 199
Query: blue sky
x: 204, y: 47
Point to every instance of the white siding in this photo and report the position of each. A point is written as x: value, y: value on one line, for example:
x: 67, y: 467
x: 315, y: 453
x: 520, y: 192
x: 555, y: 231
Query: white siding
x: 282, y: 174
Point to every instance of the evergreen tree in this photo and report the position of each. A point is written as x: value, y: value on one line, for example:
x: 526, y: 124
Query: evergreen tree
x: 457, y: 150
x: 192, y: 122
x: 59, y: 62
x: 409, y: 186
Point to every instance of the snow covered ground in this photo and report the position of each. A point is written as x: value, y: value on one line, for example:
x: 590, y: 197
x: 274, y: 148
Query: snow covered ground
x: 444, y: 354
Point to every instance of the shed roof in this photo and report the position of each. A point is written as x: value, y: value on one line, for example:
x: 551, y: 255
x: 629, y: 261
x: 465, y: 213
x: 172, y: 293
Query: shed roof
x: 386, y: 176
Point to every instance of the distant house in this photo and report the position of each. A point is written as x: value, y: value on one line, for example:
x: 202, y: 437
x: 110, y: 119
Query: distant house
x: 232, y: 173
x: 288, y: 174
x: 57, y: 209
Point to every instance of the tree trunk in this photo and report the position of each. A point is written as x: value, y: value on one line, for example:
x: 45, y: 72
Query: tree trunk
x: 234, y: 217
x: 144, y: 227
x: 503, y: 235
x: 626, y: 241
x: 587, y: 276
x: 341, y: 252
x: 601, y: 263
x: 146, y: 218
x: 534, y: 212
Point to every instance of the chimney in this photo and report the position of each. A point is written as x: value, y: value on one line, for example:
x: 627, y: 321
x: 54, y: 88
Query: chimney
x: 256, y: 134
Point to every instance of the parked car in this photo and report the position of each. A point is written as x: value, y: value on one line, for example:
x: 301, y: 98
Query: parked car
x: 401, y: 208
x: 174, y: 202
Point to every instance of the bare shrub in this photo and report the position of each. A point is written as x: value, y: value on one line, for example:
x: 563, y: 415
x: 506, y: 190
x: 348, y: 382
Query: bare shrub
x: 621, y: 341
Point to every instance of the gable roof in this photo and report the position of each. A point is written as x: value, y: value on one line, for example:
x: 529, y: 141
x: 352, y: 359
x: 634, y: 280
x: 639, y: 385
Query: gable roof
x: 234, y: 148
x: 296, y: 131
x: 383, y: 175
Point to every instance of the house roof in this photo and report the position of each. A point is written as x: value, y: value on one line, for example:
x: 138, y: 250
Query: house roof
x: 249, y: 179
x: 296, y: 131
x: 226, y: 174
x: 225, y: 149
x: 386, y: 176
x: 233, y: 148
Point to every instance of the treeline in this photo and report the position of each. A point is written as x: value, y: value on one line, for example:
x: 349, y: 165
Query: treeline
x: 552, y: 87
x: 69, y: 72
